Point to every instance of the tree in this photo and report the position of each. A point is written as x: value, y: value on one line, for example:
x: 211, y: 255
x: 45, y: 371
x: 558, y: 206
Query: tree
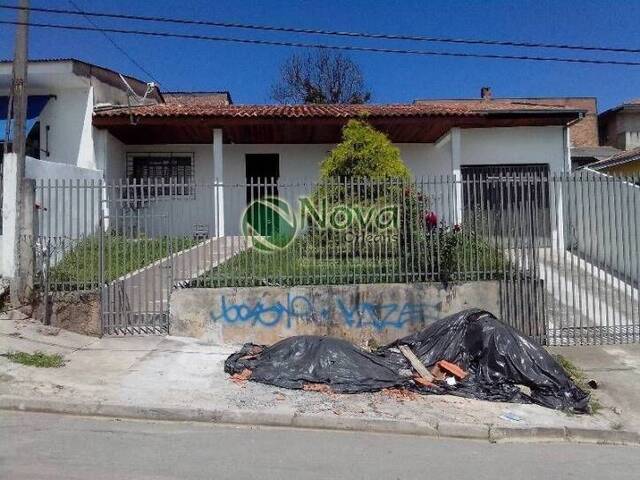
x: 320, y: 77
x: 364, y: 152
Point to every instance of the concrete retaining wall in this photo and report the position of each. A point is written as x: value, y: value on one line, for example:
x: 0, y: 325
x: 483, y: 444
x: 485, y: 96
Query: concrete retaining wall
x: 359, y: 313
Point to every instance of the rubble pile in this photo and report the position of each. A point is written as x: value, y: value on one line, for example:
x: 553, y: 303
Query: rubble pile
x: 470, y: 354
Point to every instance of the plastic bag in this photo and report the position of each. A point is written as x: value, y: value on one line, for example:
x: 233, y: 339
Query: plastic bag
x: 498, y: 359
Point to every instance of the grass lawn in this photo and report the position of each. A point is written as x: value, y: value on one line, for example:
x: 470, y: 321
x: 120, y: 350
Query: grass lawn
x: 467, y: 260
x: 79, y: 266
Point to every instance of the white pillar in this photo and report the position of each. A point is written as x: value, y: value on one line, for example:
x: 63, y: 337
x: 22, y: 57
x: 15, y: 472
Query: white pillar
x: 8, y: 238
x: 218, y: 179
x: 456, y: 154
x: 557, y: 193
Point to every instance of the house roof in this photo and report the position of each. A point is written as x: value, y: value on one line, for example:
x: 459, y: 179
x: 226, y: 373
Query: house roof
x: 211, y: 98
x: 584, y: 133
x: 104, y: 74
x: 192, y: 123
x: 600, y: 153
x: 208, y: 109
x: 633, y: 104
x: 620, y: 158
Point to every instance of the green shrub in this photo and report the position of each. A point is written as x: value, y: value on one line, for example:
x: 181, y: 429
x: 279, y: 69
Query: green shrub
x: 363, y: 153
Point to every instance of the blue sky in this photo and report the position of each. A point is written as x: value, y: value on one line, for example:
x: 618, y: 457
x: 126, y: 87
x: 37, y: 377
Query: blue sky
x: 248, y: 71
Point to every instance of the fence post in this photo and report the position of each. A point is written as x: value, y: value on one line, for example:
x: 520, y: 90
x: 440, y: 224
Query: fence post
x: 101, y: 280
x: 26, y: 238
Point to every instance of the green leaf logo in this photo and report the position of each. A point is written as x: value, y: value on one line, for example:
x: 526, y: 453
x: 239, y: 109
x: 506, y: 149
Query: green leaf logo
x: 271, y: 224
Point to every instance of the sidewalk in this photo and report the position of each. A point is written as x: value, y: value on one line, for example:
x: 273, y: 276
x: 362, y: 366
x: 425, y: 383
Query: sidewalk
x: 173, y: 378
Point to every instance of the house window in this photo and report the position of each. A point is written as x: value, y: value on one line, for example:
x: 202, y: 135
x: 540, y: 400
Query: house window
x: 162, y: 173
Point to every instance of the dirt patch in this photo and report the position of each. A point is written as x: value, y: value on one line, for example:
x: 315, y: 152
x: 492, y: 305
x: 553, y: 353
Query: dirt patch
x: 77, y: 312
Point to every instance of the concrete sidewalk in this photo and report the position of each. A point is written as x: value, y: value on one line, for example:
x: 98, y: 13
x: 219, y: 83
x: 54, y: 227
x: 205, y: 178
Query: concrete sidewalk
x: 175, y: 378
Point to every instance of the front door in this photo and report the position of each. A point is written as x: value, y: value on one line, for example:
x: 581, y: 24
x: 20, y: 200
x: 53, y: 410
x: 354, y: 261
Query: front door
x: 262, y: 173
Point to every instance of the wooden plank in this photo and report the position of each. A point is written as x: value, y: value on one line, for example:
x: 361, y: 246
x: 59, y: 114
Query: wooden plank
x: 416, y: 363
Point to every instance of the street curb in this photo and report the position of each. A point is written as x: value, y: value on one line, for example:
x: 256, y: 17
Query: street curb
x: 289, y: 418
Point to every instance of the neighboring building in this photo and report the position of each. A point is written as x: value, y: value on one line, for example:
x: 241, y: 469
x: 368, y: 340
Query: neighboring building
x: 585, y: 156
x: 63, y: 94
x: 583, y: 133
x: 626, y: 163
x: 620, y: 126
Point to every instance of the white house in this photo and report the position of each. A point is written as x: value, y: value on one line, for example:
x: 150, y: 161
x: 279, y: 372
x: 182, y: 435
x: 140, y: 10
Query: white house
x: 96, y: 123
x: 213, y: 142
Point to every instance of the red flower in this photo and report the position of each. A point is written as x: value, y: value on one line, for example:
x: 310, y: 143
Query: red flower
x: 457, y: 227
x: 431, y: 218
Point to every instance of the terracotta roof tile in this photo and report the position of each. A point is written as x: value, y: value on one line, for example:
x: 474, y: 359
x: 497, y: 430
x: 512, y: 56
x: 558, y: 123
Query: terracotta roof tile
x: 207, y: 109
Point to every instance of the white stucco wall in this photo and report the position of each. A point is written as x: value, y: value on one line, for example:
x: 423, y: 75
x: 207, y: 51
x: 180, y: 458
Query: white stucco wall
x: 68, y: 117
x: 432, y: 163
x: 72, y: 139
x: 515, y: 145
x: 65, y: 211
x: 8, y: 237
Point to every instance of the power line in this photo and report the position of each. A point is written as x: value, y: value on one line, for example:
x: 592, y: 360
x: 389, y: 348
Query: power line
x: 309, y: 31
x: 114, y: 43
x: 327, y: 47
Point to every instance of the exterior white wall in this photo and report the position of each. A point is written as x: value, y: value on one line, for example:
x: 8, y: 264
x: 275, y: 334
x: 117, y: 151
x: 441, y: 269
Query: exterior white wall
x: 68, y: 212
x: 68, y: 117
x: 64, y: 212
x: 110, y: 154
x: 493, y: 146
x: 298, y: 163
x: 71, y: 138
x: 8, y: 238
x: 603, y: 222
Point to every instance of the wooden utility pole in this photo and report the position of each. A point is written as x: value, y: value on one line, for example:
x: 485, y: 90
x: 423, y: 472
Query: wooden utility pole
x: 19, y: 86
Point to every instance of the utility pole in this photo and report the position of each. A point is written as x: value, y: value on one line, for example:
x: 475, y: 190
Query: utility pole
x: 18, y: 147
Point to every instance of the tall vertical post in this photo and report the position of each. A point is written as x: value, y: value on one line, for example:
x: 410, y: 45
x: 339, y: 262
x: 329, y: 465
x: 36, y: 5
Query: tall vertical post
x: 19, y: 86
x: 218, y: 178
x: 456, y: 155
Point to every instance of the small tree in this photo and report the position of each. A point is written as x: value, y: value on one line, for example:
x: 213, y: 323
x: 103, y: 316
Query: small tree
x: 320, y: 77
x: 364, y: 152
x: 365, y: 170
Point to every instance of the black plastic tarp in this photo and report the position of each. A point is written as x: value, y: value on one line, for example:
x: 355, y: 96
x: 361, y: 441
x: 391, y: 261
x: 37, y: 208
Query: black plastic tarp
x: 499, y: 361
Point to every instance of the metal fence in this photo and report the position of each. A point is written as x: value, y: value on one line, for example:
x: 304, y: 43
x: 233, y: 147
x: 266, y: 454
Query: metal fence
x: 564, y: 248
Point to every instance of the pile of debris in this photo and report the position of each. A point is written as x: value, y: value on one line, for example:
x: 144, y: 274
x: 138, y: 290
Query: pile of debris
x: 471, y: 354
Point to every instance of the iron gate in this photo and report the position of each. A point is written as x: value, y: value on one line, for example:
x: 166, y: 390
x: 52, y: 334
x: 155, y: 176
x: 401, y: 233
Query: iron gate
x: 138, y: 301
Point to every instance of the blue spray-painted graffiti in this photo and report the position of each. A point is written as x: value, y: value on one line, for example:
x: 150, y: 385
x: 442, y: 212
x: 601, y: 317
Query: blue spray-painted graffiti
x: 378, y: 316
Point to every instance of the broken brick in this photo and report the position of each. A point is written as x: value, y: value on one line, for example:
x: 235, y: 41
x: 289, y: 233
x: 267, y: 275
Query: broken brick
x: 453, y: 369
x: 317, y: 387
x: 241, y: 377
x: 422, y: 381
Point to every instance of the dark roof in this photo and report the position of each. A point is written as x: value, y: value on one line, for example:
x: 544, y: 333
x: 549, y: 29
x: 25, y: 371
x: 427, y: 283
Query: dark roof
x: 210, y: 98
x: 620, y: 158
x: 600, y: 153
x: 104, y: 74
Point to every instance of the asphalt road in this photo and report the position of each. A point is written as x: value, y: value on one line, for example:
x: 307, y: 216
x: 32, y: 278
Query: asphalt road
x: 39, y: 446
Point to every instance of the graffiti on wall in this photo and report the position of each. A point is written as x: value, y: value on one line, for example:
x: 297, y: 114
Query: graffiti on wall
x: 379, y: 316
